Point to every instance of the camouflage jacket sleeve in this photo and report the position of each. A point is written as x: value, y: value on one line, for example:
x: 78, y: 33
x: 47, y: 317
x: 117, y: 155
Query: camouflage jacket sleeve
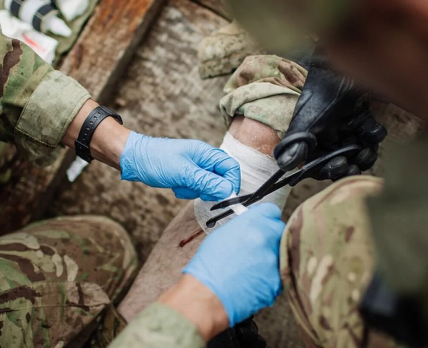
x: 37, y: 103
x: 159, y: 326
x: 264, y: 88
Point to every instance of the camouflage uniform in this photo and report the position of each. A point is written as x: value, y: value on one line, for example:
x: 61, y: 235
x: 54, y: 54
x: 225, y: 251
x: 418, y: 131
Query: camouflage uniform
x: 327, y: 254
x: 58, y: 276
x: 264, y: 88
x: 327, y: 262
x: 224, y: 50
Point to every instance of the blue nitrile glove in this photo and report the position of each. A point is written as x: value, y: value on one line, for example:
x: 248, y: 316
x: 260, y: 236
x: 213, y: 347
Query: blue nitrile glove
x: 191, y: 168
x: 239, y: 262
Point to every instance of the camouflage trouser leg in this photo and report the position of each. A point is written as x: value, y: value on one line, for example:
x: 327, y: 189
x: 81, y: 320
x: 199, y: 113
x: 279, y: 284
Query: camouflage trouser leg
x: 327, y: 262
x: 57, y: 277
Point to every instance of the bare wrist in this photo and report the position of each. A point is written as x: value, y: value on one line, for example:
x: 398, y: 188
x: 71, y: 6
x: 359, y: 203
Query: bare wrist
x: 198, y: 304
x: 109, y: 138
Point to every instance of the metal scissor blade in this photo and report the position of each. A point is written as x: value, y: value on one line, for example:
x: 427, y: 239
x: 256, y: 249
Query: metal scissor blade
x: 211, y: 222
x: 231, y: 201
x: 247, y: 200
x: 273, y: 184
x: 251, y: 197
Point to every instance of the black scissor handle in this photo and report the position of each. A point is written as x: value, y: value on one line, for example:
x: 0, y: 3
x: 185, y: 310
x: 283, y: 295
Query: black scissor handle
x: 273, y: 184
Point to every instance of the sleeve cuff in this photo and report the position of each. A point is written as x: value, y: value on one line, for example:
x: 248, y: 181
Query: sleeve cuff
x: 270, y: 104
x: 45, y: 119
x: 159, y: 326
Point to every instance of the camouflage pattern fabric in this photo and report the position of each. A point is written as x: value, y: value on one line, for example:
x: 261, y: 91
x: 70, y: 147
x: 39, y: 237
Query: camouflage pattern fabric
x: 37, y: 103
x: 110, y: 327
x: 327, y: 262
x: 57, y: 277
x: 159, y: 326
x: 224, y: 50
x: 266, y: 89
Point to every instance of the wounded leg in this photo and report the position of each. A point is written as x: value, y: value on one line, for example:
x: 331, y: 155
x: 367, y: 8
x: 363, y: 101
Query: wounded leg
x: 265, y: 90
x: 182, y: 237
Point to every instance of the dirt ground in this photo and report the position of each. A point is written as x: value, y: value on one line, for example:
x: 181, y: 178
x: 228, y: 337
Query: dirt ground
x: 162, y: 95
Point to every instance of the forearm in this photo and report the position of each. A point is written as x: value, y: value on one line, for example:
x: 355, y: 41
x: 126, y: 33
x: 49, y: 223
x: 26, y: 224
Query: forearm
x: 187, y: 315
x: 109, y: 138
x: 167, y: 259
x: 198, y: 304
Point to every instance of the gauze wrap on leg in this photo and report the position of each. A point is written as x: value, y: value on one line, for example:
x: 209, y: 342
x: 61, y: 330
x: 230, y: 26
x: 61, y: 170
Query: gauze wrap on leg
x: 256, y: 168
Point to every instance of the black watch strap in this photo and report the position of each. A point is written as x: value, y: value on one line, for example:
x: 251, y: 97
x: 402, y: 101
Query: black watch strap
x: 91, y: 123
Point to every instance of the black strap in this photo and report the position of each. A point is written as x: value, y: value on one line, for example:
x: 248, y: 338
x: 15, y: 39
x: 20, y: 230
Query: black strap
x: 15, y: 6
x: 82, y: 144
x: 40, y: 14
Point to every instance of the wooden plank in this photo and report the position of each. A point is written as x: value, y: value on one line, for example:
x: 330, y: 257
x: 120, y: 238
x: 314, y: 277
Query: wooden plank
x: 100, y: 56
x: 161, y: 95
x: 108, y: 43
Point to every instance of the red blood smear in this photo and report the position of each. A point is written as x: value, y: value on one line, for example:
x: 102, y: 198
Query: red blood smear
x: 188, y: 240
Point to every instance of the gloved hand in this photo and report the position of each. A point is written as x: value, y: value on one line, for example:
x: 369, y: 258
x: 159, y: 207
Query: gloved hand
x: 191, y: 168
x: 329, y: 115
x: 239, y: 262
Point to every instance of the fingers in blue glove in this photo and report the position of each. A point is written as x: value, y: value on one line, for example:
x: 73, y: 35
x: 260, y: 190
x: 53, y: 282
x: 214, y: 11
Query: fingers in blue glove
x: 211, y: 186
x: 239, y: 262
x: 185, y: 193
x: 219, y: 162
x: 191, y: 167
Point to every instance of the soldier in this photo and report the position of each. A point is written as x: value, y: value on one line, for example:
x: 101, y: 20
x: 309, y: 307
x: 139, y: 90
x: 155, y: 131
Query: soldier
x: 59, y: 276
x: 312, y: 278
x: 327, y: 251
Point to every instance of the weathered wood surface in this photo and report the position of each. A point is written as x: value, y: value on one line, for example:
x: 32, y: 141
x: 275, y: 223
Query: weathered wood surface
x: 162, y: 95
x: 108, y: 43
x: 97, y: 60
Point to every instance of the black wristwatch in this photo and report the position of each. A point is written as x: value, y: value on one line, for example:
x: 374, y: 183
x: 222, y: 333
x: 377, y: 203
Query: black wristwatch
x: 91, y: 123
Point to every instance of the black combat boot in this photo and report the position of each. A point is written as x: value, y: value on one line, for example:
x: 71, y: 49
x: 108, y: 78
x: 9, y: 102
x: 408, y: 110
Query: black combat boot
x: 243, y: 335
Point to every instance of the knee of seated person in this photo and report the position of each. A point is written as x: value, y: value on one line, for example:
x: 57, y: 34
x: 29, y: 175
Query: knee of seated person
x: 93, y: 249
x: 58, y: 276
x: 327, y: 261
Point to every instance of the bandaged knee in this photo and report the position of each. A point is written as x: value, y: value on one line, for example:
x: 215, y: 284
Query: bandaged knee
x: 256, y: 169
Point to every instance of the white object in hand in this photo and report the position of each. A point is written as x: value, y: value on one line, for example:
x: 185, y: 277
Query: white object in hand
x: 71, y: 9
x: 45, y: 46
x: 29, y: 13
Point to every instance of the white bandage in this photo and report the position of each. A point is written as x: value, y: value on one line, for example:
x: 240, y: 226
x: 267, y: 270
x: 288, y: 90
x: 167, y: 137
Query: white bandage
x: 256, y: 168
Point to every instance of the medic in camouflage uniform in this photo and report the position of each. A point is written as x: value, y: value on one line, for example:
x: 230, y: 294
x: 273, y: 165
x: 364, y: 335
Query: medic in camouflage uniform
x: 58, y: 277
x: 325, y: 266
x: 326, y: 252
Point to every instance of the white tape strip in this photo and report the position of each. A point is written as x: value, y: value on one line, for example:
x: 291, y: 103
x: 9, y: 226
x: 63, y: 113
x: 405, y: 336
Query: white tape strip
x: 237, y: 208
